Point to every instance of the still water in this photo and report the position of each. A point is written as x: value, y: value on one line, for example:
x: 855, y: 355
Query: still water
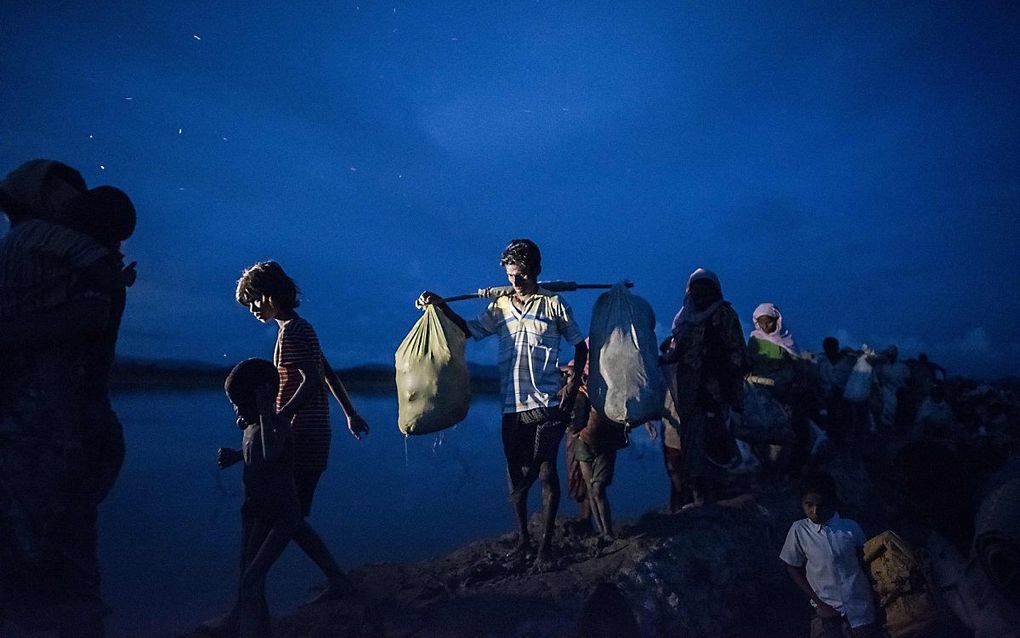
x: 170, y: 530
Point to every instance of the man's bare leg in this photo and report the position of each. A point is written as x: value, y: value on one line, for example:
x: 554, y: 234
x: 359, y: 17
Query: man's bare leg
x: 550, y: 504
x: 519, y: 481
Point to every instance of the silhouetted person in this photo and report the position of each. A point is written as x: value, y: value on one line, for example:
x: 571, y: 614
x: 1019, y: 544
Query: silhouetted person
x: 62, y: 293
x: 271, y: 512
x: 530, y: 323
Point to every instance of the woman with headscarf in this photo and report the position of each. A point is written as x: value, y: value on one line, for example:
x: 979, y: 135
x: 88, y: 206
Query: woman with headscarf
x: 775, y: 368
x: 772, y: 352
x: 705, y: 360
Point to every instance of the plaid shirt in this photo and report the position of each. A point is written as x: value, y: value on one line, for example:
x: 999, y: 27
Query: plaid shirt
x: 529, y: 347
x: 39, y: 263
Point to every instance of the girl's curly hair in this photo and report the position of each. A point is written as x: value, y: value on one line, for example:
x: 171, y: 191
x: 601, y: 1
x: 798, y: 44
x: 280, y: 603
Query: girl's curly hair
x: 267, y: 278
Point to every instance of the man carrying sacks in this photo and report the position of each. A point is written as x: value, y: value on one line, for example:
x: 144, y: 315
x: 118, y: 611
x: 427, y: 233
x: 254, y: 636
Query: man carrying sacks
x: 530, y: 323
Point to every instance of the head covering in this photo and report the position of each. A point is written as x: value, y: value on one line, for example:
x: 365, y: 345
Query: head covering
x: 780, y: 336
x: 688, y: 316
x: 41, y: 189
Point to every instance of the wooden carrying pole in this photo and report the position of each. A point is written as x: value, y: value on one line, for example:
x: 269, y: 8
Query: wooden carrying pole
x: 551, y: 286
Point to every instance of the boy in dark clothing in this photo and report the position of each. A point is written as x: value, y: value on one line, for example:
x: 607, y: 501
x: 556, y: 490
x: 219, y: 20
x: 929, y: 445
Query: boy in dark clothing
x: 270, y: 513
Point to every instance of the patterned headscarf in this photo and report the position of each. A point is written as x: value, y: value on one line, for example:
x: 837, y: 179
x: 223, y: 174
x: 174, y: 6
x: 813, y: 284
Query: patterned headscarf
x: 688, y: 316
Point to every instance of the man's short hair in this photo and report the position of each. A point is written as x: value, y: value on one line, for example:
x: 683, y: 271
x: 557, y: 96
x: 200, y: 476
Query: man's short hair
x: 267, y: 278
x: 245, y: 378
x: 830, y: 343
x: 818, y: 483
x: 524, y: 254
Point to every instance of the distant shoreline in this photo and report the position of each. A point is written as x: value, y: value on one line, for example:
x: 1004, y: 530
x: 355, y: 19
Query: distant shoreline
x: 135, y: 375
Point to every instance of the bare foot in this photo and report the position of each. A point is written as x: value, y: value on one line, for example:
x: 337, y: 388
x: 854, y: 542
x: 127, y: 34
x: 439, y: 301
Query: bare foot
x: 337, y: 589
x: 225, y: 626
x: 544, y: 559
x: 521, y: 549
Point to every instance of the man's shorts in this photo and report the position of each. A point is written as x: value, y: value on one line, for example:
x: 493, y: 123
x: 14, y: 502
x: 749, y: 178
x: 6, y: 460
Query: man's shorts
x: 532, y: 436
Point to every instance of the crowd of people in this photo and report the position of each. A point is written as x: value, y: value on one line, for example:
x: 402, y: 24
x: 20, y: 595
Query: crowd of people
x: 736, y: 406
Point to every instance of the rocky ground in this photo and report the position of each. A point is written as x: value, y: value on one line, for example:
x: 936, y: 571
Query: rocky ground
x: 710, y: 571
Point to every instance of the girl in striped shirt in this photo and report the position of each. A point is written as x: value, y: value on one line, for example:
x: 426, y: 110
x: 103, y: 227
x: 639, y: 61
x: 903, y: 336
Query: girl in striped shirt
x: 271, y: 295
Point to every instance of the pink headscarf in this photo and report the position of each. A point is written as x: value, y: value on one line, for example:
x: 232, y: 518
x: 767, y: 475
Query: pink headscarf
x: 780, y: 336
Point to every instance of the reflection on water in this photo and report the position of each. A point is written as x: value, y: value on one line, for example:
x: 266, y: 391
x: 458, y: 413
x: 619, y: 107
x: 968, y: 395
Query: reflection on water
x: 170, y: 530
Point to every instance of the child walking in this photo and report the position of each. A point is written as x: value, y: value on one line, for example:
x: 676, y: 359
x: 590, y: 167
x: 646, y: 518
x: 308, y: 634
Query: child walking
x: 270, y: 514
x: 824, y: 557
x: 271, y: 295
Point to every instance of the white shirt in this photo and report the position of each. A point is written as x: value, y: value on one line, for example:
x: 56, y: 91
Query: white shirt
x: 828, y: 552
x: 834, y: 375
x: 529, y: 347
x: 894, y: 375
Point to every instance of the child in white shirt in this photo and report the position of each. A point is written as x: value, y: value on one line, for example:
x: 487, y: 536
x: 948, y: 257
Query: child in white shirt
x: 824, y: 557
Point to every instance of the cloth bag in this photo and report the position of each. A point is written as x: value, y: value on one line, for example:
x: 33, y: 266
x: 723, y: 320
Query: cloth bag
x: 624, y: 380
x: 433, y: 385
x: 764, y: 420
x: 858, y: 386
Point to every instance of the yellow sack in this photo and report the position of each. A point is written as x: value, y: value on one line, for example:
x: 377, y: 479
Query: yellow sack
x: 433, y: 386
x: 900, y: 575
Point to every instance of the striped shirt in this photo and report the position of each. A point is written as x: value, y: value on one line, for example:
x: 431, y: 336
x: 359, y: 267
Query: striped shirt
x: 529, y: 347
x: 296, y: 344
x: 40, y: 264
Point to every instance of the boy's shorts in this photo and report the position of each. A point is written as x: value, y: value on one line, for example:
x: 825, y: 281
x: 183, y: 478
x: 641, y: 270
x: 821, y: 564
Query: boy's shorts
x: 603, y: 464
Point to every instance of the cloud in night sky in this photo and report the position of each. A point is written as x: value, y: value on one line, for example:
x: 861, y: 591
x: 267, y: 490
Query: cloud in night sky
x: 857, y: 165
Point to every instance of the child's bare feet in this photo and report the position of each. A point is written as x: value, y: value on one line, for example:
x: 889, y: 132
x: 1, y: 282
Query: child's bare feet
x: 225, y: 626
x: 337, y: 588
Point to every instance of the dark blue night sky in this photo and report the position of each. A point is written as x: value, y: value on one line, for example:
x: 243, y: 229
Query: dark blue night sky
x: 858, y: 165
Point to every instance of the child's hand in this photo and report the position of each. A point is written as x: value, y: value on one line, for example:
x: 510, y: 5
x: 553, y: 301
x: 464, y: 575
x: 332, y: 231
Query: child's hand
x: 825, y: 610
x: 225, y: 457
x: 129, y: 275
x: 357, y: 425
